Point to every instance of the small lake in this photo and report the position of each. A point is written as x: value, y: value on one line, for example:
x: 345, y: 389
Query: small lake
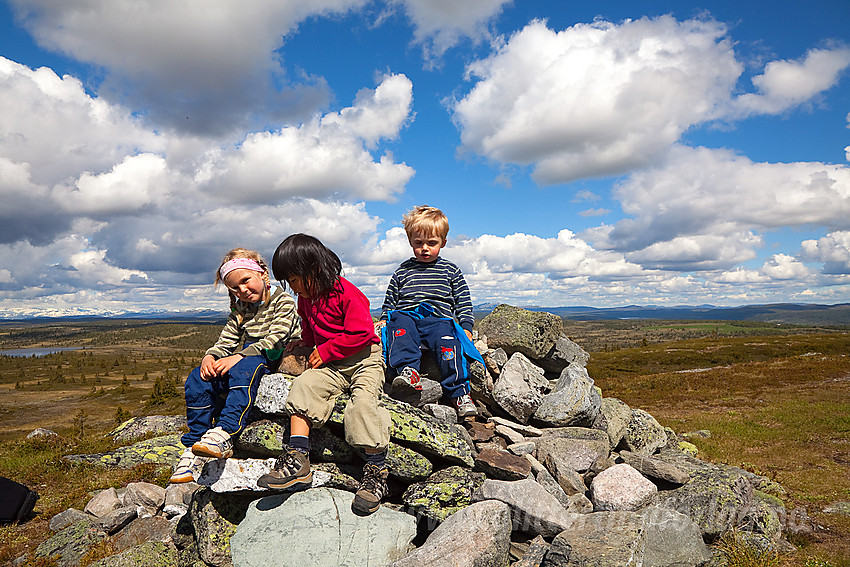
x: 27, y: 352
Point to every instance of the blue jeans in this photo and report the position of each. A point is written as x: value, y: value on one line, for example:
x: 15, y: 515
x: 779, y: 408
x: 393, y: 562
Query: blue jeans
x: 225, y: 400
x: 405, y: 334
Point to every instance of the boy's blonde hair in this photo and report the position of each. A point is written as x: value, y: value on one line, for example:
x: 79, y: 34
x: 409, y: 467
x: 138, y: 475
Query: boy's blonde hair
x: 426, y: 221
x: 251, y: 255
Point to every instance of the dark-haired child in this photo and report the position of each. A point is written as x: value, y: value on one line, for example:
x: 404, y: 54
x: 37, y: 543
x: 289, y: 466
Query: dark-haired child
x: 346, y: 356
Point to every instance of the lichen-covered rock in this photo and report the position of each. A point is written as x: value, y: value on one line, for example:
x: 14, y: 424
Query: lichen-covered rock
x: 601, y: 539
x: 214, y: 519
x: 716, y: 498
x: 71, y: 543
x: 414, y: 428
x: 149, y: 554
x: 518, y: 330
x: 272, y: 393
x: 142, y: 426
x: 644, y: 435
x: 407, y: 465
x: 163, y: 450
x: 617, y: 415
x: 443, y: 493
x: 67, y: 517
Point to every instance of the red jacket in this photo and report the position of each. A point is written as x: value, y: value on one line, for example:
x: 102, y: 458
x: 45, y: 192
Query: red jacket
x: 339, y: 325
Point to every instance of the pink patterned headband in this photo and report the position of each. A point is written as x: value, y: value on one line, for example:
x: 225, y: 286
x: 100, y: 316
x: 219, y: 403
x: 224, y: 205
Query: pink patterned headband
x: 237, y: 263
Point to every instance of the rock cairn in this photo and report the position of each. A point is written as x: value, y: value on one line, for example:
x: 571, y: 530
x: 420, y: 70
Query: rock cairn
x: 550, y: 473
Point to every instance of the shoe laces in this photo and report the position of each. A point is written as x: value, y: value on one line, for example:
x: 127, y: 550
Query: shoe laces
x: 373, y: 480
x: 288, y: 462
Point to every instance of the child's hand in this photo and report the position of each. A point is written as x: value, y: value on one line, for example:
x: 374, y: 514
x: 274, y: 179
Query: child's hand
x: 208, y: 368
x: 222, y: 365
x: 380, y: 324
x: 315, y: 359
x: 468, y: 334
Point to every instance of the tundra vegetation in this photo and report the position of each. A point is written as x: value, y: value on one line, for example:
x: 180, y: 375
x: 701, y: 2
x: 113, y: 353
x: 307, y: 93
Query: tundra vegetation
x: 775, y: 399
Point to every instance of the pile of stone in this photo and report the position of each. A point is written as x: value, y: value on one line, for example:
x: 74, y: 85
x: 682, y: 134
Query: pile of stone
x: 550, y: 473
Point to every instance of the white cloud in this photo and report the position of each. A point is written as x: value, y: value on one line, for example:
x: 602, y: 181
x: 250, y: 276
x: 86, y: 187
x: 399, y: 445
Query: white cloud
x: 784, y: 267
x: 708, y: 206
x: 595, y: 99
x: 594, y: 212
x: 440, y: 24
x: 323, y: 157
x: 788, y: 83
x: 833, y: 250
x: 51, y: 124
x: 210, y: 62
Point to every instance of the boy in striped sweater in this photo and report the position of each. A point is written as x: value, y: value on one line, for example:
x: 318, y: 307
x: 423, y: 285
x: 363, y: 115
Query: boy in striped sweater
x: 428, y: 304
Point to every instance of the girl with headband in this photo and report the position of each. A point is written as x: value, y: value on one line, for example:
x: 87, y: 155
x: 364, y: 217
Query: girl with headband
x: 262, y: 322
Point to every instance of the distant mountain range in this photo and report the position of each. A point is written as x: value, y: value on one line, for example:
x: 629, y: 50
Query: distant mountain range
x: 788, y: 313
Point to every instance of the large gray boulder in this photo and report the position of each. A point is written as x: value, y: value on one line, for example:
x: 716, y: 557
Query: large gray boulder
x: 476, y: 536
x: 318, y: 528
x: 573, y: 401
x: 672, y: 539
x: 716, y: 498
x: 563, y: 353
x: 574, y: 448
x: 520, y: 387
x: 601, y: 539
x: 533, y: 509
x: 654, y: 537
x: 518, y: 330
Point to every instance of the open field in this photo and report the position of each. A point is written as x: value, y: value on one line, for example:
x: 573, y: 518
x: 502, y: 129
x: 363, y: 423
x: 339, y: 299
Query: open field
x: 775, y: 399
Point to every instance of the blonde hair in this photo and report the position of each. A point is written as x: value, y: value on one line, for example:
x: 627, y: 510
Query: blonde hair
x: 426, y: 221
x: 251, y: 255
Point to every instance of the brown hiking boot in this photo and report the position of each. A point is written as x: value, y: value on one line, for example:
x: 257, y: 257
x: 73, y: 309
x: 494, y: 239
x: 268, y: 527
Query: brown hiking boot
x: 368, y: 497
x: 291, y: 472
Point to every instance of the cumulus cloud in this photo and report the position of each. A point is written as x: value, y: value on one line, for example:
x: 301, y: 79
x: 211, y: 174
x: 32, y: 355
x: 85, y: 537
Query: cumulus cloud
x: 326, y: 156
x: 440, y: 25
x: 706, y: 207
x: 197, y: 65
x: 833, y: 250
x: 595, y: 99
x: 54, y: 126
x: 788, y: 83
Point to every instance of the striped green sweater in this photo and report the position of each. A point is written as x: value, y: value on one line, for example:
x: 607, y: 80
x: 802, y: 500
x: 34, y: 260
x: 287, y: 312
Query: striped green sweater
x: 269, y: 325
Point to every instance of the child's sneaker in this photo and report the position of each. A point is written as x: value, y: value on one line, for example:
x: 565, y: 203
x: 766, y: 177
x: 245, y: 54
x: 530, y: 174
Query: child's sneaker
x: 183, y: 470
x: 464, y: 406
x: 215, y: 443
x: 368, y: 497
x: 407, y: 379
x: 291, y: 472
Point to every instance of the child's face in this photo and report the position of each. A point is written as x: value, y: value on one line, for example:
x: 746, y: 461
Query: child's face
x: 247, y: 285
x: 426, y: 248
x: 298, y: 285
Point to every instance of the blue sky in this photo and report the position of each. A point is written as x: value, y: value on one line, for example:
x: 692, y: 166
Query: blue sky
x: 601, y: 154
